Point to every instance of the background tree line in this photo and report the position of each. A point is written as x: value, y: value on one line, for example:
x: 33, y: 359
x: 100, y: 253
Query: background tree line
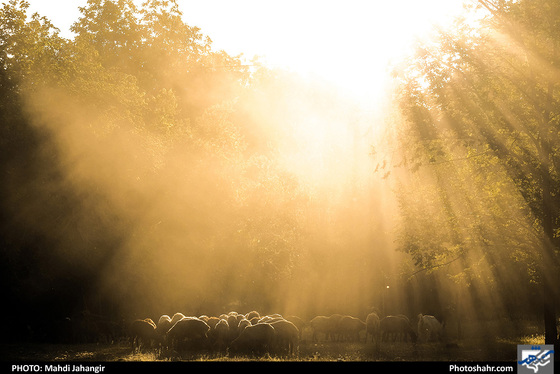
x: 479, y: 130
x: 145, y: 173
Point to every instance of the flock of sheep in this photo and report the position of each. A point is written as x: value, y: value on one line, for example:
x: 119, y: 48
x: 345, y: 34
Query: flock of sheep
x: 234, y: 333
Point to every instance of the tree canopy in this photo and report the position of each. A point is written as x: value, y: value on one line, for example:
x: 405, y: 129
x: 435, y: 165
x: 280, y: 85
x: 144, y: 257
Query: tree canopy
x: 147, y: 172
x: 481, y: 110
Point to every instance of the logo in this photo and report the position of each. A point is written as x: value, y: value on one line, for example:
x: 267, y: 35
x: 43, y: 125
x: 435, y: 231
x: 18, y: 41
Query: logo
x: 534, y: 359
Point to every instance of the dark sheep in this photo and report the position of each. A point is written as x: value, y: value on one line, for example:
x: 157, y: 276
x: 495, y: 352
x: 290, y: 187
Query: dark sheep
x: 143, y: 334
x: 189, y: 331
x: 254, y: 339
x: 393, y: 327
x: 349, y: 328
x: 429, y: 328
x: 177, y: 317
x: 163, y: 325
x: 298, y: 322
x: 372, y: 326
x: 287, y: 336
x: 333, y: 327
x: 220, y: 335
x: 242, y: 324
x: 320, y: 325
x: 213, y: 321
x: 252, y: 314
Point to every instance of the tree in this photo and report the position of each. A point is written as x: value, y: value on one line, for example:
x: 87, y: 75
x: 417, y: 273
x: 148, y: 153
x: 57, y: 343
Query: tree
x: 113, y: 29
x: 488, y: 95
x: 127, y: 163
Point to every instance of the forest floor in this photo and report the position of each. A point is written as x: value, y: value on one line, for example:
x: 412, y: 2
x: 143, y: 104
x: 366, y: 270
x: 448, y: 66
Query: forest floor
x: 478, y: 345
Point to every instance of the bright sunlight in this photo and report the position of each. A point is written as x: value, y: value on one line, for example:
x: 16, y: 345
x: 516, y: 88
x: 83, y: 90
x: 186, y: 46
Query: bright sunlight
x: 240, y: 180
x: 350, y: 43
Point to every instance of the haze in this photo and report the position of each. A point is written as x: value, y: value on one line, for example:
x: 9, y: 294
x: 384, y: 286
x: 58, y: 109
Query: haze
x: 305, y: 158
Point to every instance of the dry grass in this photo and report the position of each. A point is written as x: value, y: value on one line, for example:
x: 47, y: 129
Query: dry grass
x: 489, y: 341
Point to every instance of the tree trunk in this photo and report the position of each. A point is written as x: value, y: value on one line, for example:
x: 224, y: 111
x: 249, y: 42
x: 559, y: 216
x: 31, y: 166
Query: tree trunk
x: 549, y: 314
x: 549, y: 270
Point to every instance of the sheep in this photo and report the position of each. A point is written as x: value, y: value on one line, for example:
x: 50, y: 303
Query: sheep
x: 298, y: 322
x: 212, y: 321
x: 164, y: 317
x: 176, y: 317
x: 189, y: 330
x: 220, y: 334
x: 266, y: 319
x: 349, y: 327
x: 287, y: 336
x: 403, y: 316
x: 150, y: 321
x: 232, y: 323
x: 255, y: 339
x: 326, y: 325
x: 372, y: 326
x: 320, y: 325
x: 163, y: 325
x: 393, y: 326
x: 429, y: 328
x: 252, y: 314
x: 333, y: 326
x: 242, y: 325
x: 143, y: 333
x: 239, y: 318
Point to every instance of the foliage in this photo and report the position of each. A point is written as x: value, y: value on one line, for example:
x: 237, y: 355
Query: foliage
x: 127, y: 134
x: 481, y: 109
x: 147, y: 171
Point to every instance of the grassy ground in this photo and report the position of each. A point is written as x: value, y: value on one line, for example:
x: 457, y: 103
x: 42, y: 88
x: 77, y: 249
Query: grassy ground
x: 487, y: 342
x: 468, y: 350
